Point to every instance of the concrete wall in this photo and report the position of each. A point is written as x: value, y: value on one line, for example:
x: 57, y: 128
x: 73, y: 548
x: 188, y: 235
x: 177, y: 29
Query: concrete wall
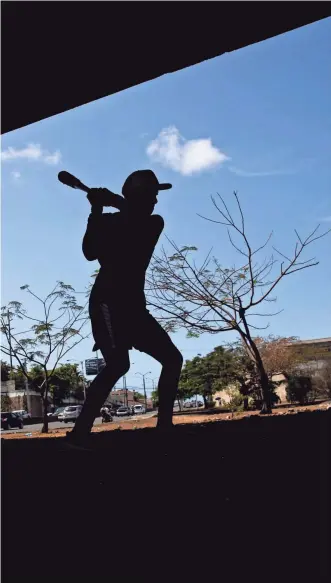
x: 7, y: 387
x: 18, y: 401
x: 225, y: 395
x: 281, y: 389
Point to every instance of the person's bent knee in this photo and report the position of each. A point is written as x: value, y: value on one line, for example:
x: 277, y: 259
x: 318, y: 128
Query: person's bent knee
x: 118, y: 364
x: 122, y: 366
x: 174, y: 359
x: 179, y: 358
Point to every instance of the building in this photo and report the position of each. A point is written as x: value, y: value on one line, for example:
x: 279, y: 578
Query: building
x: 125, y: 397
x: 315, y: 355
x: 29, y: 400
x: 19, y: 399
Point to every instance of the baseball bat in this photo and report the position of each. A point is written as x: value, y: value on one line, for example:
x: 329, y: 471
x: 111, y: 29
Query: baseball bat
x: 70, y: 180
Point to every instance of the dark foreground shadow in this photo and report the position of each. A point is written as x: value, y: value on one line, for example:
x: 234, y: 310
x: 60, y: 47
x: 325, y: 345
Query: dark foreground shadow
x: 223, y: 499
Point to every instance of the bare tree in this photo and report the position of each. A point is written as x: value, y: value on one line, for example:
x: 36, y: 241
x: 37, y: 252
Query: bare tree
x: 211, y: 298
x: 46, y: 338
x: 277, y: 355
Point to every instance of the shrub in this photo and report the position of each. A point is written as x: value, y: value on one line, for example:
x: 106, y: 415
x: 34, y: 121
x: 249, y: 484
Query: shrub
x: 5, y: 403
x: 300, y: 390
x: 237, y: 402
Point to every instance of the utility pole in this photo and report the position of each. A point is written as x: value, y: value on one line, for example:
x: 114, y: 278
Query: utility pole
x: 144, y: 384
x: 125, y: 389
x: 26, y: 385
x: 10, y: 351
x: 84, y: 387
x: 145, y: 393
x: 125, y: 392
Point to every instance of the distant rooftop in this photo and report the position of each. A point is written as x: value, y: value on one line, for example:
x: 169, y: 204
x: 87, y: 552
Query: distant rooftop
x: 313, y: 341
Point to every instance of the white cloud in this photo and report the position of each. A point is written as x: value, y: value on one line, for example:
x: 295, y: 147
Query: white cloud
x: 326, y: 219
x: 53, y: 158
x: 16, y: 175
x: 184, y: 156
x: 248, y: 174
x: 31, y: 152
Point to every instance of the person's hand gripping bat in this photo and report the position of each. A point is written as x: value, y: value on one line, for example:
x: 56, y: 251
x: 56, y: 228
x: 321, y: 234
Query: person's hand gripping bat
x: 97, y: 197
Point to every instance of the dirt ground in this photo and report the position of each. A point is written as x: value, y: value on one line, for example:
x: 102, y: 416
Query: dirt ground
x: 200, y: 417
x: 218, y: 498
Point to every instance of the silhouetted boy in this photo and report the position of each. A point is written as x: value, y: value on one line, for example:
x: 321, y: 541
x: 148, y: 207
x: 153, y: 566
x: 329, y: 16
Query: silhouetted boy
x: 124, y: 242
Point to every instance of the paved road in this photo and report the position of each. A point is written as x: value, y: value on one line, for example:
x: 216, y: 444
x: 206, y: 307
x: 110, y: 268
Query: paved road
x: 35, y: 428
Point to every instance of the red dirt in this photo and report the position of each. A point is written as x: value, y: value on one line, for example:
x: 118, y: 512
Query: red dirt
x: 178, y: 420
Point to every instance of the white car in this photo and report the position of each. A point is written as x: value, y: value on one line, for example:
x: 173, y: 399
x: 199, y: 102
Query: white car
x: 138, y: 410
x: 123, y: 412
x: 70, y: 413
x: 56, y: 413
x: 22, y: 413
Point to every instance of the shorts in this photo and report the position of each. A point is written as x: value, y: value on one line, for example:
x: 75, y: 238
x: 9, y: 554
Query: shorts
x: 115, y: 326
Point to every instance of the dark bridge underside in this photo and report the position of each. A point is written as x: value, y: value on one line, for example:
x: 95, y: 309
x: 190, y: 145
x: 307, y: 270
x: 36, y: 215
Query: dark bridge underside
x: 60, y: 55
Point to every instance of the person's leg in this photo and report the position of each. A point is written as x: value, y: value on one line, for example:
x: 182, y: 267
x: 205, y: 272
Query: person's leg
x: 155, y: 341
x: 105, y: 328
x: 117, y: 365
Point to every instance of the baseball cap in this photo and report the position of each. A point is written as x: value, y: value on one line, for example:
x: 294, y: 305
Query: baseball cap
x: 141, y: 179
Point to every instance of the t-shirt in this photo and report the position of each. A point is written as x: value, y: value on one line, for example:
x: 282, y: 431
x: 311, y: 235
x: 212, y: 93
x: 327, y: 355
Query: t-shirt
x: 124, y: 247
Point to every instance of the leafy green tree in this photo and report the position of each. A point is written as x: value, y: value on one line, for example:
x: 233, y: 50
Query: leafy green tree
x: 204, y: 375
x: 139, y: 396
x: 5, y: 371
x: 67, y: 379
x: 17, y: 375
x: 44, y: 338
x: 5, y: 403
x: 155, y: 397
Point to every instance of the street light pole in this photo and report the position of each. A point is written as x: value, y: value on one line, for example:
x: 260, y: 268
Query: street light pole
x: 84, y: 388
x: 82, y: 365
x: 145, y: 393
x: 10, y: 348
x: 125, y: 392
x: 26, y: 384
x: 144, y: 384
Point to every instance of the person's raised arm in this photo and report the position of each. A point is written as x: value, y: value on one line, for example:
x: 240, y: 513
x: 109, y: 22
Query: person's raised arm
x: 151, y: 237
x: 98, y: 198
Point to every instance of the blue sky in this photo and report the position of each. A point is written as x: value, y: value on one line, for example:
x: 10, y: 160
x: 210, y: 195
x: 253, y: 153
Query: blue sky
x: 257, y: 120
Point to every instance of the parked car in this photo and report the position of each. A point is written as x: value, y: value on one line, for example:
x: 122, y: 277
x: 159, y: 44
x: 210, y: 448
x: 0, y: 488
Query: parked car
x: 189, y: 404
x: 10, y: 420
x: 56, y: 413
x: 123, y: 412
x: 70, y: 413
x: 138, y: 409
x: 22, y: 413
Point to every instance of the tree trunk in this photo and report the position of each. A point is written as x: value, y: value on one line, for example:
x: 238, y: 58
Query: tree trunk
x: 205, y: 401
x: 256, y: 357
x: 245, y: 402
x: 266, y: 396
x: 45, y: 422
x: 45, y: 407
